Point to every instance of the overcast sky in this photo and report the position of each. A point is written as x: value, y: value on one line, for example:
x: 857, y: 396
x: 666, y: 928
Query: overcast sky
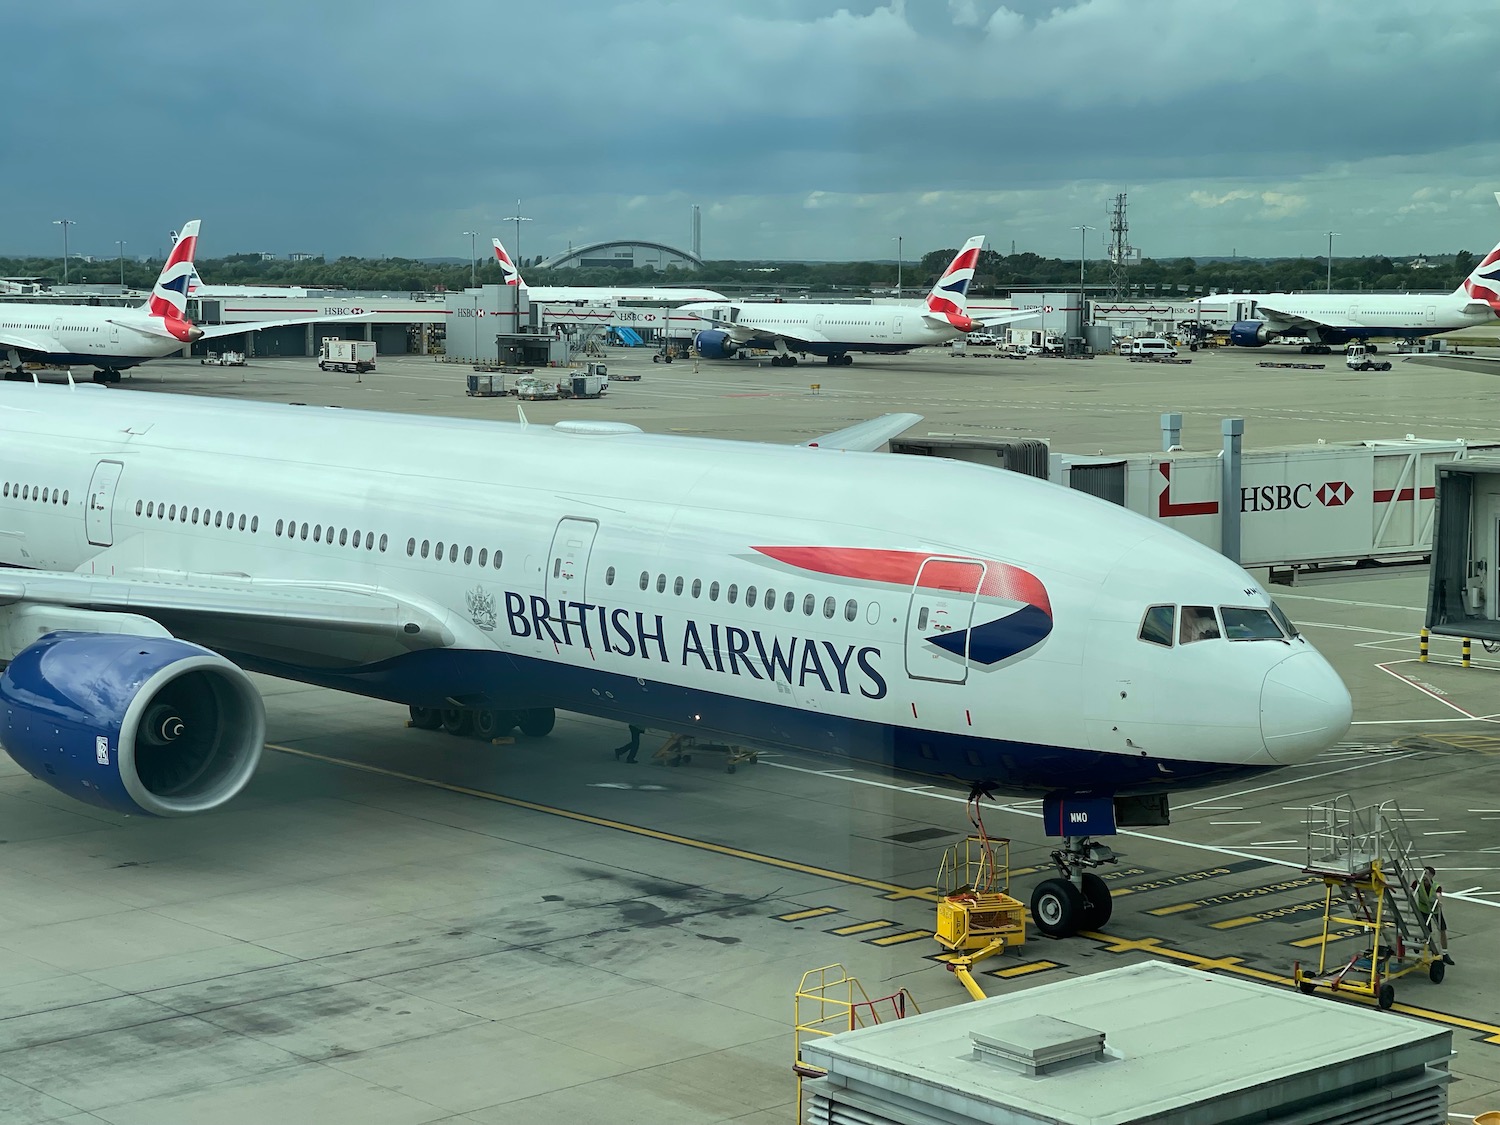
x: 804, y: 128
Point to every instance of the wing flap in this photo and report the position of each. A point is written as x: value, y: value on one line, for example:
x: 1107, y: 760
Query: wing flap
x: 40, y: 343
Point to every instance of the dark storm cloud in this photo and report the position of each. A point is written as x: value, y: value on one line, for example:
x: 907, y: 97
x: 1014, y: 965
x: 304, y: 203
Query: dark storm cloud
x: 805, y: 129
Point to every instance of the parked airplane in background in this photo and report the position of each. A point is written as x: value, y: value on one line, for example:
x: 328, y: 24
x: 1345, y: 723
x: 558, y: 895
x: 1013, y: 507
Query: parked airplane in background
x: 559, y: 294
x: 112, y: 339
x: 1339, y: 318
x: 835, y: 330
x: 843, y: 603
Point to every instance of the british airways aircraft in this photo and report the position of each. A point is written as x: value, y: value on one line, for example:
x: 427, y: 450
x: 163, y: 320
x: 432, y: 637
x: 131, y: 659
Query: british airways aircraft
x: 920, y: 615
x: 541, y: 294
x: 112, y: 339
x: 835, y: 330
x: 1338, y: 318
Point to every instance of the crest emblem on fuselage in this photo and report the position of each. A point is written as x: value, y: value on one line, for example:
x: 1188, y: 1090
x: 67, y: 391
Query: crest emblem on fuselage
x: 482, y: 608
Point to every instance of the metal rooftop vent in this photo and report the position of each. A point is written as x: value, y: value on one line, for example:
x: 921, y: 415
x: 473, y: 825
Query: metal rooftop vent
x: 1037, y: 1045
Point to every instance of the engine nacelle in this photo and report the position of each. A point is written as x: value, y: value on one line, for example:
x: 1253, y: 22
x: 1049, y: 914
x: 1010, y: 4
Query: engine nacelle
x: 714, y: 343
x: 132, y: 724
x: 1249, y: 334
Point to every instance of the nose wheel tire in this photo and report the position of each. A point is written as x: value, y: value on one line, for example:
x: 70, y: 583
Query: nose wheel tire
x: 1058, y: 908
x: 1100, y: 904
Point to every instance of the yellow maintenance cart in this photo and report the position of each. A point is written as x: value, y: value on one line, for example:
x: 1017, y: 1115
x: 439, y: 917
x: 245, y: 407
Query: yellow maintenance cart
x: 976, y: 917
x: 1369, y: 866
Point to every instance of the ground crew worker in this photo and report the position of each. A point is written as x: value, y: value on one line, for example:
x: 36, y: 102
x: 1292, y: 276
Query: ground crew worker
x: 1429, y: 896
x: 631, y: 747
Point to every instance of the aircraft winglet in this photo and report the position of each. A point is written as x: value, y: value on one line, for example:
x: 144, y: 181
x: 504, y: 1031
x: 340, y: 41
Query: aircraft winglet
x: 867, y: 436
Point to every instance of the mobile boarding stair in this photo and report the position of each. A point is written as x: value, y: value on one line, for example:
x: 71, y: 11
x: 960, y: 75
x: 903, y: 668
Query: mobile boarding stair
x: 1368, y: 862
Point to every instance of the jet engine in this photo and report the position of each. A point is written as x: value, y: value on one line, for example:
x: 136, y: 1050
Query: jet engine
x: 130, y: 723
x: 714, y: 343
x: 1249, y: 334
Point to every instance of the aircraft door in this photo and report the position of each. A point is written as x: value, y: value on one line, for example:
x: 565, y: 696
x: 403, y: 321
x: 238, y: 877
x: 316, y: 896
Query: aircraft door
x: 568, y: 561
x: 99, y: 511
x: 938, y: 619
x: 1431, y: 314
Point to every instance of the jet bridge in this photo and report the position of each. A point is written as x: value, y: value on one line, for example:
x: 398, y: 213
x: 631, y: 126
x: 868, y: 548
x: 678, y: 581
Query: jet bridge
x: 1463, y: 593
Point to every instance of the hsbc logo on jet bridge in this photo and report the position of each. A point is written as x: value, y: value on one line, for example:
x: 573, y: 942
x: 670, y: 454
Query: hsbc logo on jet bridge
x: 1281, y: 497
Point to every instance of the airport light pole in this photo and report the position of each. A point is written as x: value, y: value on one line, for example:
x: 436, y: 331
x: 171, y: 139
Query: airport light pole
x: 120, y: 244
x: 473, y: 262
x: 898, y: 266
x: 518, y: 219
x: 65, y: 224
x: 1083, y: 241
x: 1331, y: 236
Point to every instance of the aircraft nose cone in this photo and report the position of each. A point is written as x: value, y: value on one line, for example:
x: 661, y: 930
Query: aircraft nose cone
x: 1304, y: 708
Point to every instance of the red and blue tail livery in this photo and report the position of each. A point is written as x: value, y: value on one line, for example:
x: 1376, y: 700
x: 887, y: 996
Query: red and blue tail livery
x: 508, y: 272
x: 949, y: 298
x: 169, y: 298
x: 1483, y: 284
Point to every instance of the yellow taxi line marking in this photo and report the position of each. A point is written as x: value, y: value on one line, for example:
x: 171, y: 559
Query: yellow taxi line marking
x: 1272, y: 915
x: 800, y: 915
x: 890, y: 890
x: 1333, y: 935
x: 1014, y: 971
x: 900, y: 939
x: 1236, y: 896
x: 861, y: 928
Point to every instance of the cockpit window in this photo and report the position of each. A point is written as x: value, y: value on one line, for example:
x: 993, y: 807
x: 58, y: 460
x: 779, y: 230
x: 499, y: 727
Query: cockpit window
x: 1249, y: 624
x: 1156, y: 626
x: 1198, y: 624
x: 1284, y: 621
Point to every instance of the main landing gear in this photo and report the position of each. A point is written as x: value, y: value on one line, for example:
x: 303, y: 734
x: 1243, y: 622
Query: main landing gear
x: 840, y: 360
x: 483, y: 723
x: 1077, y: 899
x: 106, y: 375
x: 783, y: 361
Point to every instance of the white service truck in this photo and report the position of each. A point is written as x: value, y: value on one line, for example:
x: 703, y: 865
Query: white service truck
x: 346, y: 355
x: 1360, y: 357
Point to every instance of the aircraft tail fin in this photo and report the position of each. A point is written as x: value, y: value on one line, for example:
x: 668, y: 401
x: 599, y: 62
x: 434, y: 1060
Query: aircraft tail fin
x: 168, y: 299
x: 1482, y: 286
x: 949, y: 299
x: 509, y: 273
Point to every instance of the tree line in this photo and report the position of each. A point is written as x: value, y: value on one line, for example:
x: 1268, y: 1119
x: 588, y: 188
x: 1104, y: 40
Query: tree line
x: 996, y: 273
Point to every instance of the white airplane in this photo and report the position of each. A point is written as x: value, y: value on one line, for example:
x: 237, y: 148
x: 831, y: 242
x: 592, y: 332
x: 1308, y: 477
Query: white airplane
x: 1335, y: 319
x: 572, y: 294
x: 112, y: 339
x: 846, y: 603
x: 835, y: 330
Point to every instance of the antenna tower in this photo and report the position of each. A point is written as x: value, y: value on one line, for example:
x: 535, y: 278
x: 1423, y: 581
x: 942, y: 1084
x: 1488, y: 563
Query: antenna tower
x: 1121, y: 253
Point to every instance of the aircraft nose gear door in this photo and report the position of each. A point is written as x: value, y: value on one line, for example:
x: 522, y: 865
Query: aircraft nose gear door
x: 99, y: 514
x: 937, y: 623
x: 568, y: 561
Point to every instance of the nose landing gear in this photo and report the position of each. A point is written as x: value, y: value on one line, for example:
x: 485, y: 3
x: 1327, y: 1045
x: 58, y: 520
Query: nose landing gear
x: 1077, y: 899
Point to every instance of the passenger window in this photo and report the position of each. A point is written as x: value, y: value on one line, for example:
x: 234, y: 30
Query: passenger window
x: 54, y: 496
x: 411, y: 547
x: 355, y: 540
x: 830, y: 607
x: 218, y: 519
x: 1157, y: 625
x: 497, y: 560
x: 150, y: 509
x: 172, y: 515
x: 732, y: 593
x: 749, y: 595
x: 242, y: 521
x: 1198, y: 624
x: 195, y: 515
x: 645, y: 580
x: 318, y: 533
x: 343, y: 537
x: 468, y: 555
x: 809, y: 604
x: 713, y: 591
x: 426, y: 547
x: 385, y: 539
x: 484, y: 556
x: 304, y: 533
x: 851, y: 610
x: 453, y: 552
x: 139, y: 507
x: 788, y: 602
x: 677, y: 586
x: 254, y: 523
x: 65, y: 498
x: 661, y: 583
x: 437, y: 552
x: 609, y: 574
x: 770, y: 602
x: 697, y: 586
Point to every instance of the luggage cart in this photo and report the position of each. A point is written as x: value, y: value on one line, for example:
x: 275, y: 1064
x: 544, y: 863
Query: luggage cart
x: 679, y: 749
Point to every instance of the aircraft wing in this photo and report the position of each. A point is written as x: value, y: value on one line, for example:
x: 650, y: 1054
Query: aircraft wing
x: 867, y: 436
x: 30, y: 342
x: 996, y: 319
x: 339, y: 625
x: 212, y: 330
x: 1288, y: 316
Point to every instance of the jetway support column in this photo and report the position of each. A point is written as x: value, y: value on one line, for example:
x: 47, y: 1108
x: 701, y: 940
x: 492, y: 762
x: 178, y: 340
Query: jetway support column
x: 310, y: 344
x: 1233, y: 431
x: 1171, y: 432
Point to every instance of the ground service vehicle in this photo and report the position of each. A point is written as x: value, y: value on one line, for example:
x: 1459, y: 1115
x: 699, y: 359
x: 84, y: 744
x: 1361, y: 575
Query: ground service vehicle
x: 346, y: 355
x: 1359, y: 357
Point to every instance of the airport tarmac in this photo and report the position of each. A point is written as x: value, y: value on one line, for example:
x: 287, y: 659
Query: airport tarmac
x: 394, y: 925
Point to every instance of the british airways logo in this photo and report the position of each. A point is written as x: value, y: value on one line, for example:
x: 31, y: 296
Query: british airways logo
x: 797, y: 661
